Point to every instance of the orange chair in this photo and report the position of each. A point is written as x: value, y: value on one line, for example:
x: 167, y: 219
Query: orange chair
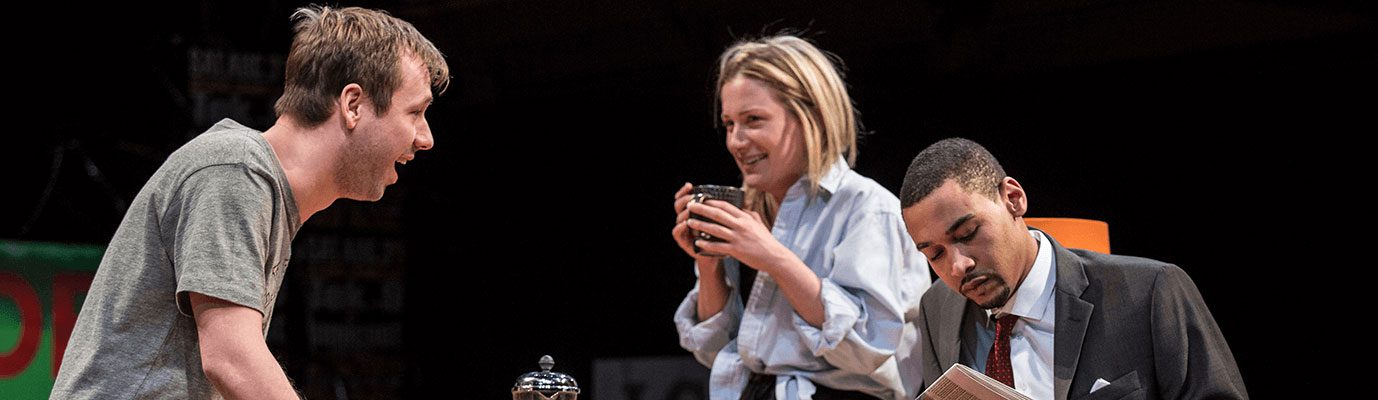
x: 1077, y: 233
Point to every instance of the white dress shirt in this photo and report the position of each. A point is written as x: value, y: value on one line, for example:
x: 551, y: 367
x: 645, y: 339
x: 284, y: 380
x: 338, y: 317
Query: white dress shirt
x: 1031, y: 341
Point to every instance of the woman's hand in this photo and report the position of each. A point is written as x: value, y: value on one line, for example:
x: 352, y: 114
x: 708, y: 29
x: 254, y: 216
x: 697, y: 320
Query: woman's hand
x: 712, y: 289
x: 683, y: 235
x: 744, y: 234
x: 746, y: 238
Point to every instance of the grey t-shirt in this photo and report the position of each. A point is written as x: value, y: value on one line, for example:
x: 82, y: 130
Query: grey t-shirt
x: 217, y: 219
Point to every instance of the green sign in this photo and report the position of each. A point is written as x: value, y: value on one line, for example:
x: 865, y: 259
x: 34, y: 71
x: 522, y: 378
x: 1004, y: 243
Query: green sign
x: 42, y: 285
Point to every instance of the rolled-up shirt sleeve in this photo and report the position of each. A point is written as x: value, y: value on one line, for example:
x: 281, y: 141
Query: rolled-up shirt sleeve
x: 871, y: 287
x: 706, y: 338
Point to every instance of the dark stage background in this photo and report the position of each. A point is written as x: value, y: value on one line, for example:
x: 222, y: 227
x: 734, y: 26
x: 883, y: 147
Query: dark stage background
x: 1213, y: 134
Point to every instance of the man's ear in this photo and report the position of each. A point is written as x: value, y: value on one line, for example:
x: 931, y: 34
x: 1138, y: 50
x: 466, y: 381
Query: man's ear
x: 350, y: 101
x: 1014, y: 198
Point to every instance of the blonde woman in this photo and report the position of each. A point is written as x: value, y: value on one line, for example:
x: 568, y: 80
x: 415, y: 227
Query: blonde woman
x: 820, y: 279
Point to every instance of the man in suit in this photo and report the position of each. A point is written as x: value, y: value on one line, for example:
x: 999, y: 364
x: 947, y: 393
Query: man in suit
x: 1049, y: 321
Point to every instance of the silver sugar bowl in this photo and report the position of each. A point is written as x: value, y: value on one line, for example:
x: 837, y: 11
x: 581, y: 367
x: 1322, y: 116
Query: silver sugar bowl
x: 545, y: 384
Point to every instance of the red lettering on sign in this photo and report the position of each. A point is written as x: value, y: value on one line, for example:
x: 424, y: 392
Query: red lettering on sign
x: 30, y: 323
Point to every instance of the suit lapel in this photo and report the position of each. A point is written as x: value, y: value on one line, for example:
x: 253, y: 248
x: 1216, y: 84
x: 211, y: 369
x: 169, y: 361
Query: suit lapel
x: 954, y: 309
x: 1073, y: 314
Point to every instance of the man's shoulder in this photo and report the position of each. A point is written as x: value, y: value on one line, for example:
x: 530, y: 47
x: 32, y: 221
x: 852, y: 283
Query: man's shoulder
x: 225, y: 143
x: 1095, y: 262
x: 1126, y: 275
x: 226, y: 135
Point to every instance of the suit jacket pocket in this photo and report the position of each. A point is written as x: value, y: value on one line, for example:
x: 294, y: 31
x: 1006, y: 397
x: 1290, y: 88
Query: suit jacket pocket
x: 1122, y: 388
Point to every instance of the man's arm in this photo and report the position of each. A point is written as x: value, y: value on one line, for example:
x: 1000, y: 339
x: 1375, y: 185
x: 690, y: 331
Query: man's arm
x: 233, y: 354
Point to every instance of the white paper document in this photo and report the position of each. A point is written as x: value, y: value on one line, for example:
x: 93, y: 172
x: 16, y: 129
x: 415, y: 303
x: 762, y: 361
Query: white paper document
x: 963, y: 383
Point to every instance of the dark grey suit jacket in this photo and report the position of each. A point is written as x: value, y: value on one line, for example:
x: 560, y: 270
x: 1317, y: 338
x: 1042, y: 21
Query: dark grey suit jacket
x: 1139, y: 324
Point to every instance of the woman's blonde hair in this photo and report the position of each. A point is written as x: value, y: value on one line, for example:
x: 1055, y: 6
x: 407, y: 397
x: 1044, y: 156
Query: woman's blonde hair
x: 808, y: 82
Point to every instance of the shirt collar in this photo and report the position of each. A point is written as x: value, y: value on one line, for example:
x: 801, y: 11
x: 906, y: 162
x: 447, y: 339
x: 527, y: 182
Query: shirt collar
x: 828, y: 183
x: 1036, y: 292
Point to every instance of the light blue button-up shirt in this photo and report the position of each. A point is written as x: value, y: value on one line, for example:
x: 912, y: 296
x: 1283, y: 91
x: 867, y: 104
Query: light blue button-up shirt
x: 851, y: 235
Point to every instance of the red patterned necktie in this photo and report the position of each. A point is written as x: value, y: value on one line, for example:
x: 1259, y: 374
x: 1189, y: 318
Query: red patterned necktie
x: 998, y: 362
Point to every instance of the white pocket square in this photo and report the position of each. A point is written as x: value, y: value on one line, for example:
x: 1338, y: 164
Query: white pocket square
x: 1100, y: 383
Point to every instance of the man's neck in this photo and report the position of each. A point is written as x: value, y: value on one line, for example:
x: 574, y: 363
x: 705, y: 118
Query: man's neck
x: 308, y: 157
x: 1031, y: 257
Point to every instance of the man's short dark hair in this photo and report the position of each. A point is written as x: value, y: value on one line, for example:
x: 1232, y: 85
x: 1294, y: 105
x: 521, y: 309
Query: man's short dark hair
x: 961, y: 160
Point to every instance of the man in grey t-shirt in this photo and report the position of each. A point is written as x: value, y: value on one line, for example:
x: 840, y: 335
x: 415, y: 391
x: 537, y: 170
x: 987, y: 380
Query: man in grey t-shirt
x: 181, y: 302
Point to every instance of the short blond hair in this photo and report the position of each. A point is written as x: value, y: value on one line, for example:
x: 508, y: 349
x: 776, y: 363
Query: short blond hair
x: 808, y: 82
x: 334, y: 47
